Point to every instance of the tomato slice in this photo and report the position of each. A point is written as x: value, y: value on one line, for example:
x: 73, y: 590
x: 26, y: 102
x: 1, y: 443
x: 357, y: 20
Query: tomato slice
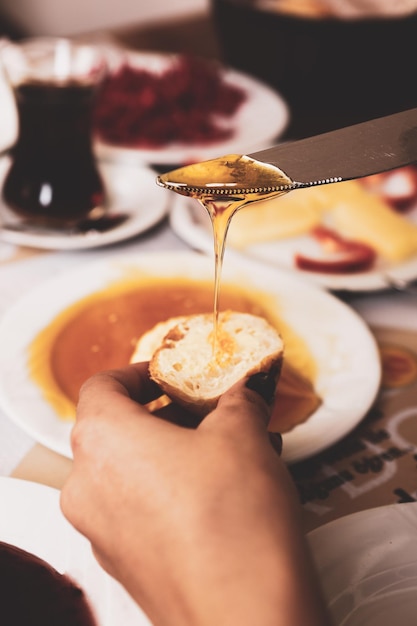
x: 397, y: 187
x: 355, y: 256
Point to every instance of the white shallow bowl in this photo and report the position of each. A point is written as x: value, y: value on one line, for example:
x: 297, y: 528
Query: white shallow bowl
x: 340, y: 342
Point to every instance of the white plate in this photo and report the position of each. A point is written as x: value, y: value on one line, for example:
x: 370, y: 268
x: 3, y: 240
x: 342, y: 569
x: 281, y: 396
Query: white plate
x: 260, y: 119
x: 131, y: 190
x: 192, y: 224
x: 33, y: 521
x: 367, y: 563
x: 340, y: 342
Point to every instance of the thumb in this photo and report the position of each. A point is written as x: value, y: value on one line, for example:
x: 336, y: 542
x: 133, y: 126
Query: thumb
x: 245, y: 409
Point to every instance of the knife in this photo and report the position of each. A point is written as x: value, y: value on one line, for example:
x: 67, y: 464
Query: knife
x: 352, y: 152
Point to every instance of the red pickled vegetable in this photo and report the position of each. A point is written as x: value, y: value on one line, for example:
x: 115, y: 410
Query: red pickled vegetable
x: 397, y: 187
x: 355, y: 256
x: 187, y: 103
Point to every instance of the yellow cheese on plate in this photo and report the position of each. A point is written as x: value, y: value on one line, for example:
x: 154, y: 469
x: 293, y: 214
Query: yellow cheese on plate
x: 347, y: 207
x: 289, y: 215
x: 367, y: 218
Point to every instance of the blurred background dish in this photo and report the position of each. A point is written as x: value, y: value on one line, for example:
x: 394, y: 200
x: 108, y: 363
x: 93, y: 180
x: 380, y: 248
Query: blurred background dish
x: 139, y: 111
x: 334, y: 62
x: 167, y: 109
x: 351, y: 236
x: 34, y: 523
x: 133, y: 196
x: 48, y: 17
x: 342, y: 348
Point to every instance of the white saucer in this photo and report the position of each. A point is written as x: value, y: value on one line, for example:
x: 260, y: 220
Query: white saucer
x: 131, y: 190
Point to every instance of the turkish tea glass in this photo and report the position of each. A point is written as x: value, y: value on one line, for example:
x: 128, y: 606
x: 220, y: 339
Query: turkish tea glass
x: 53, y: 178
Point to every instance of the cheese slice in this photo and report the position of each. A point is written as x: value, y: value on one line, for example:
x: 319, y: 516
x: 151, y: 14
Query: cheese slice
x: 289, y: 215
x: 367, y: 218
x: 347, y: 207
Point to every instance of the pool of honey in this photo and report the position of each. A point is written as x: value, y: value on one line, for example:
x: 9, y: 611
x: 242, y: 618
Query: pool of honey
x: 101, y: 331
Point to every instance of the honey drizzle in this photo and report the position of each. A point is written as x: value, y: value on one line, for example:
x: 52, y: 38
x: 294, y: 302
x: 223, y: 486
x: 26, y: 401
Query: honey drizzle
x: 221, y: 213
x: 228, y: 172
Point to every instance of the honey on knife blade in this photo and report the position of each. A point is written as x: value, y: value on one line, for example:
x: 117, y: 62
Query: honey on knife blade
x: 223, y: 186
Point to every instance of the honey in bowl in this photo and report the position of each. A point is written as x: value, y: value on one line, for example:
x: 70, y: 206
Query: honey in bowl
x: 101, y: 332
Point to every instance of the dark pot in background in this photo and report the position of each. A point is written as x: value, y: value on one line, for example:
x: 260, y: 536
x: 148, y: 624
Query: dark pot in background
x: 332, y: 72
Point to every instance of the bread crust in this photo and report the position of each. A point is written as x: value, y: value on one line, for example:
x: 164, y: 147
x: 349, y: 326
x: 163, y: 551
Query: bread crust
x: 184, y: 367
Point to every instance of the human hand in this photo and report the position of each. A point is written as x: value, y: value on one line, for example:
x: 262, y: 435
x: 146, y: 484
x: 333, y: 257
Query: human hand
x: 199, y: 524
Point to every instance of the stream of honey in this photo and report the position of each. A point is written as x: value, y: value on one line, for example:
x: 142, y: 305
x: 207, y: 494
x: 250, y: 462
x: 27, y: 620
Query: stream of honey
x: 231, y: 172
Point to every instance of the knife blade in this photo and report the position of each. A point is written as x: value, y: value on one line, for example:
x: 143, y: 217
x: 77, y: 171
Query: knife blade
x: 351, y: 152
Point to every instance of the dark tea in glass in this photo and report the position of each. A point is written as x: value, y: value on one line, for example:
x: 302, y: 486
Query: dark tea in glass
x: 53, y: 178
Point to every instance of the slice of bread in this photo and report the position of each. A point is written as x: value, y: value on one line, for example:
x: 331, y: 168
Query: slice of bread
x: 190, y: 372
x: 150, y: 341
